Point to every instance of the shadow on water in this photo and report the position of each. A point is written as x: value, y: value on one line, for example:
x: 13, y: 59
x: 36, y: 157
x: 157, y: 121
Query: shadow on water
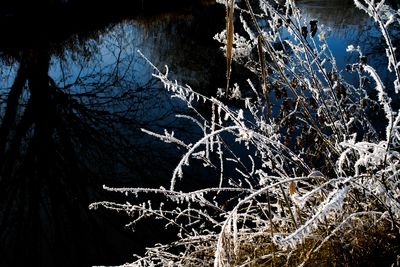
x: 72, y: 109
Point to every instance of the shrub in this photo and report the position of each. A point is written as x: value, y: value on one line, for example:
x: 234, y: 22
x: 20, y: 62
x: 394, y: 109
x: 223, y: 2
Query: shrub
x: 304, y: 178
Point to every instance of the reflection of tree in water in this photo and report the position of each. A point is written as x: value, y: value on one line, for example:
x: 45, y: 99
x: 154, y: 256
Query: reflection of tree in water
x: 61, y: 138
x: 185, y: 43
x: 349, y: 25
x: 337, y: 14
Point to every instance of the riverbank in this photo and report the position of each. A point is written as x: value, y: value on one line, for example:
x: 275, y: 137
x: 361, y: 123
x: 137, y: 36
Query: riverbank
x: 28, y: 24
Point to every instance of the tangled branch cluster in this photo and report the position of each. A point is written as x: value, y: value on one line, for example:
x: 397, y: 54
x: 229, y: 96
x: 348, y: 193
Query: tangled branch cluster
x: 300, y: 165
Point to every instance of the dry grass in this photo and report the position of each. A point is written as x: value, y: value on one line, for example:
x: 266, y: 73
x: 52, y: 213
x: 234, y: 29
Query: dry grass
x: 375, y: 246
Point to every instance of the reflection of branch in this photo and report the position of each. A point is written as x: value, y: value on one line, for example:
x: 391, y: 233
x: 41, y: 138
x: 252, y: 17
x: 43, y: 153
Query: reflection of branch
x: 12, y: 105
x: 88, y: 118
x: 10, y: 156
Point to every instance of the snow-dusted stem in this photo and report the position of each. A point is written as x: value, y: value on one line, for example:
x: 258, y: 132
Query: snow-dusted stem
x: 185, y: 159
x: 373, y: 11
x: 384, y: 100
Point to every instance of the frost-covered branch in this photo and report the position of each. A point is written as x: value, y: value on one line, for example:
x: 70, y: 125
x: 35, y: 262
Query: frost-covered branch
x: 289, y: 174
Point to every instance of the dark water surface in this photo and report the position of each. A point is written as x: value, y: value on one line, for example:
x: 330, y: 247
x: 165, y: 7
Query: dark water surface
x: 347, y: 25
x: 73, y: 98
x: 73, y: 102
